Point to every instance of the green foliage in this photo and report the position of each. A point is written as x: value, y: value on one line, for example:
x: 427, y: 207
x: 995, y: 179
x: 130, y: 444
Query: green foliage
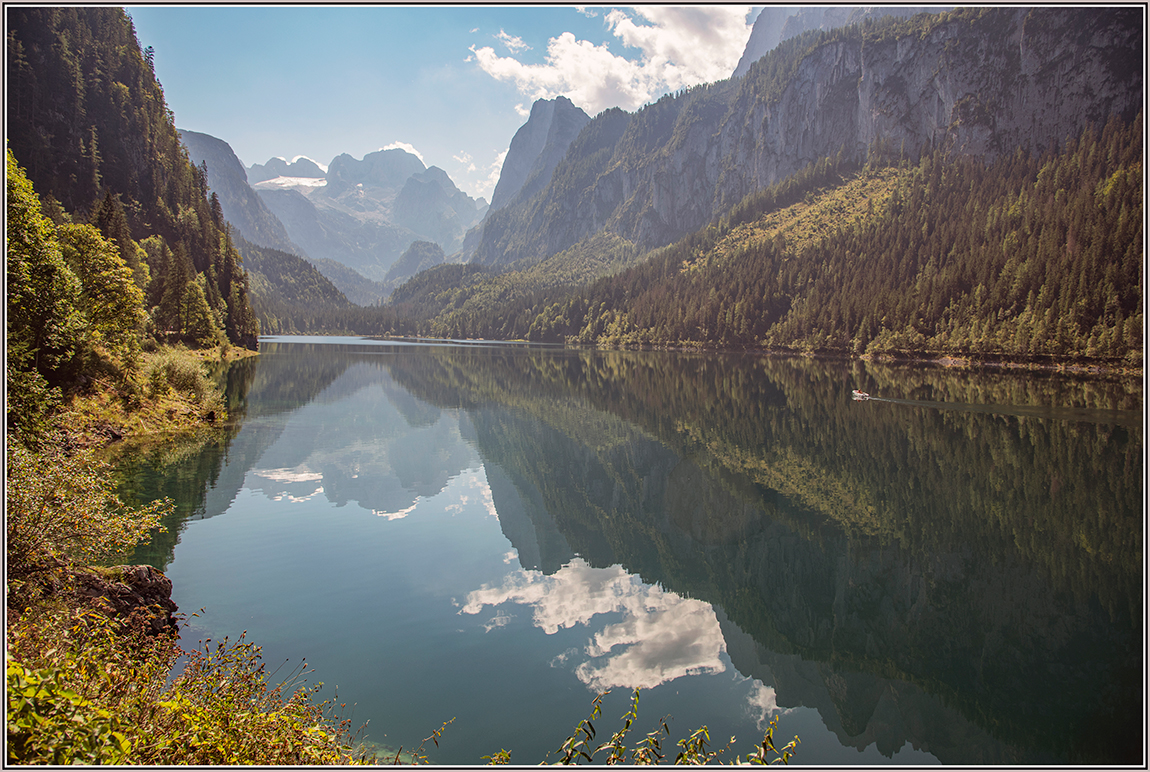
x: 174, y: 369
x: 49, y: 723
x: 31, y: 402
x: 83, y: 690
x: 109, y: 218
x: 184, y: 315
x: 45, y: 328
x: 111, y: 301
x: 63, y: 505
x: 76, y: 314
x: 579, y: 746
x: 222, y: 710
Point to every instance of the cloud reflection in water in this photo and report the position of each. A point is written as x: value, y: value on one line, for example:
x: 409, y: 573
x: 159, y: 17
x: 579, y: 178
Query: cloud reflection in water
x: 662, y: 636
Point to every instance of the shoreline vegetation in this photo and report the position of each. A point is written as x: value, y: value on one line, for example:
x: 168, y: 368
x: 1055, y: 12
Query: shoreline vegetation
x: 968, y: 360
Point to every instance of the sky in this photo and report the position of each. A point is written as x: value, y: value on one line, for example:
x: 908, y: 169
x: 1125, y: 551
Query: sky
x: 450, y: 83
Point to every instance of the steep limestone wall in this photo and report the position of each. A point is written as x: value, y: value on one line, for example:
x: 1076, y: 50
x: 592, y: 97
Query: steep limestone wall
x: 974, y: 83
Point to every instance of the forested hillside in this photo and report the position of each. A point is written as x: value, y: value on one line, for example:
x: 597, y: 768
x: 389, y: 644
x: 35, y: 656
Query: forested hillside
x: 977, y: 82
x: 1024, y: 257
x: 88, y: 122
x: 287, y: 290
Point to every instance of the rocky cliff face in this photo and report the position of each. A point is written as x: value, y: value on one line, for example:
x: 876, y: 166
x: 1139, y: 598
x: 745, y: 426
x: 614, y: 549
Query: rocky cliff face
x: 537, y: 148
x: 974, y: 81
x: 138, y: 597
x: 429, y: 204
x: 778, y: 23
x: 241, y: 205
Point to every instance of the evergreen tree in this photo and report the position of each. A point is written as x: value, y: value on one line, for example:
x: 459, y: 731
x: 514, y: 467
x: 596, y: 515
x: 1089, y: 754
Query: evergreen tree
x: 109, y: 218
x: 91, y: 125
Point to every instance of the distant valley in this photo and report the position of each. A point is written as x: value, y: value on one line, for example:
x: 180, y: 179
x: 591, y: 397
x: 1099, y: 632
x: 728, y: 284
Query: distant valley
x: 353, y: 221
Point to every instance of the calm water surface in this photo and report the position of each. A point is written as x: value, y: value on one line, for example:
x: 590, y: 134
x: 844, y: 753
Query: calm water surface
x: 950, y: 574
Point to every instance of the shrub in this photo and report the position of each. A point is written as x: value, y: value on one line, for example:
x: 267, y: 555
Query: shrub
x: 63, y: 505
x: 82, y: 689
x: 578, y: 749
x: 49, y: 723
x: 176, y: 369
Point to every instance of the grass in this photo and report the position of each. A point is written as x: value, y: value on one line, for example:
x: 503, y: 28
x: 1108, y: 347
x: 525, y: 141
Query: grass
x: 169, y: 392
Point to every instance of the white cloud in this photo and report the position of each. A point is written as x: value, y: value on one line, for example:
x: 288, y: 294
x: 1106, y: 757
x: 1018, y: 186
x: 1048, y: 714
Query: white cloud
x: 514, y: 43
x: 464, y: 159
x: 476, y: 178
x: 590, y: 14
x: 670, y: 638
x: 297, y: 499
x: 661, y: 636
x: 405, y: 146
x: 486, y: 499
x: 523, y: 110
x: 762, y: 703
x: 499, y: 620
x: 678, y: 46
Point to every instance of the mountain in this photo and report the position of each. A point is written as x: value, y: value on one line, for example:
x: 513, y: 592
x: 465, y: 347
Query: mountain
x: 286, y: 289
x: 242, y: 205
x: 278, y: 167
x: 978, y: 82
x: 431, y: 205
x: 778, y: 23
x: 354, y: 285
x: 1025, y: 259
x: 363, y: 214
x: 368, y: 245
x: 385, y: 170
x: 247, y: 211
x: 537, y: 148
x: 420, y: 256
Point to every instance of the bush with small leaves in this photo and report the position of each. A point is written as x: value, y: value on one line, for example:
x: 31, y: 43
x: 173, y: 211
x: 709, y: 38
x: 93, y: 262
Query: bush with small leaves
x: 63, y: 505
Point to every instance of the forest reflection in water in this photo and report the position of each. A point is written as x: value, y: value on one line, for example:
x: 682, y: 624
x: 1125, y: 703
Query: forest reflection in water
x: 956, y: 565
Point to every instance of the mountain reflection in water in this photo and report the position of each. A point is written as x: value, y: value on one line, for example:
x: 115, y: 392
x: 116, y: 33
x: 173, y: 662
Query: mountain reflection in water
x: 935, y: 579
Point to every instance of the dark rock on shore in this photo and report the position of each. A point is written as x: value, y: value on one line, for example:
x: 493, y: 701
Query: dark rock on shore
x: 139, y: 597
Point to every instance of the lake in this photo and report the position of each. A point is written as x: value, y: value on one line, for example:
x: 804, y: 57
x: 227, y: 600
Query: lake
x: 949, y: 573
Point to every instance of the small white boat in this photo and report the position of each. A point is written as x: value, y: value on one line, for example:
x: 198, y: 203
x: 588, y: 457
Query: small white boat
x: 859, y: 395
